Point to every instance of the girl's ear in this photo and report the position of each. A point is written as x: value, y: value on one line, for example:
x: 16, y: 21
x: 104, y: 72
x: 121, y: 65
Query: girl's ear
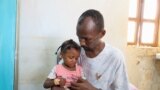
x: 60, y: 55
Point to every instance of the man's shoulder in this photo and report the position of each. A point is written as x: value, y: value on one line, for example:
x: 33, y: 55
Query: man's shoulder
x: 113, y: 50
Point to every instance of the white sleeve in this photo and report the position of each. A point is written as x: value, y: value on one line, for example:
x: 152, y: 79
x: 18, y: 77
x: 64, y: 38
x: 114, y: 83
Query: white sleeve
x: 52, y: 74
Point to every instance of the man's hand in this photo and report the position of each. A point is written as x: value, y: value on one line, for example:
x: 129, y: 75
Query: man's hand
x: 81, y: 84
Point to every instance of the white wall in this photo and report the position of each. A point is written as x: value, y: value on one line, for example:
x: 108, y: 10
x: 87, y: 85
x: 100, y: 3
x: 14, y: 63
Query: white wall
x: 45, y: 24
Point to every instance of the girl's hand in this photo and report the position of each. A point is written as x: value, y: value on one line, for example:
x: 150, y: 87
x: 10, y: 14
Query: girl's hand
x: 62, y: 81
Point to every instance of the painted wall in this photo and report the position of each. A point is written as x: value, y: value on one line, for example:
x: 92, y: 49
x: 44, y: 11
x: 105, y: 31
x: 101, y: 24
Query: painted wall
x: 7, y: 43
x: 45, y: 24
x: 143, y: 68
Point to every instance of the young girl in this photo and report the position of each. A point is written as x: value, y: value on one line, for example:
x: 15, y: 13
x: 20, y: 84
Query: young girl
x: 63, y: 74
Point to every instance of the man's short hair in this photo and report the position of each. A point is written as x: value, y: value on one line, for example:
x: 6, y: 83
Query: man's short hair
x: 96, y: 17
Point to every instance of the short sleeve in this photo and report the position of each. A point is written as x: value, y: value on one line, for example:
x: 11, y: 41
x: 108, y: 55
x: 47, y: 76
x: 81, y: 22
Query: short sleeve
x: 52, y: 74
x: 121, y: 78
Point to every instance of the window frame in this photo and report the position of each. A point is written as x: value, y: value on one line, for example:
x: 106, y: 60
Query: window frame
x: 139, y: 20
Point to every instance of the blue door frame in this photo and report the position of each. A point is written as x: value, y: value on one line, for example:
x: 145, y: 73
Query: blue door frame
x: 7, y: 43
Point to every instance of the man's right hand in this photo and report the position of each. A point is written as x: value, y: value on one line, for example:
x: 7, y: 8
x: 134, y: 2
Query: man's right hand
x: 82, y: 84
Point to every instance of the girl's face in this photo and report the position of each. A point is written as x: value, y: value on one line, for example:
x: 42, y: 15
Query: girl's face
x: 70, y: 57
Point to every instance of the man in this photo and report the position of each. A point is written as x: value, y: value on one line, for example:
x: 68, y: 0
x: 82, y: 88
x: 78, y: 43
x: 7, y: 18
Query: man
x: 103, y: 65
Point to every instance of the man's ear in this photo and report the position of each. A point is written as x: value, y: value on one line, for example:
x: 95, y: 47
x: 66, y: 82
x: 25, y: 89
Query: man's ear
x: 102, y: 33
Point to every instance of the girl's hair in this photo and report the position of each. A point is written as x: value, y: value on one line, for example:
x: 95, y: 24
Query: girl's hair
x: 68, y: 44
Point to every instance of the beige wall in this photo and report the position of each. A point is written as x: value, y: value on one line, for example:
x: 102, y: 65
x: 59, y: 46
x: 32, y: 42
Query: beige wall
x: 45, y: 24
x: 143, y: 68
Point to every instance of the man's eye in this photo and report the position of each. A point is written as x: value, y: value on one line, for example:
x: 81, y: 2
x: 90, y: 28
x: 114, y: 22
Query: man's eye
x: 88, y: 39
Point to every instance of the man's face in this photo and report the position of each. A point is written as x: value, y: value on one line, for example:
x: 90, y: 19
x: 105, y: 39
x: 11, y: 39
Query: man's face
x: 87, y: 34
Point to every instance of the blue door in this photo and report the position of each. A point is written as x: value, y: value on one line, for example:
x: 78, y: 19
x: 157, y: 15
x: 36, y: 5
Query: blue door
x: 7, y: 43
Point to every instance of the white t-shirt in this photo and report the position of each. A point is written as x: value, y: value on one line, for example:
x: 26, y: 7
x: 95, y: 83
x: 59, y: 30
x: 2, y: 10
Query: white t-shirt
x: 107, y: 70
